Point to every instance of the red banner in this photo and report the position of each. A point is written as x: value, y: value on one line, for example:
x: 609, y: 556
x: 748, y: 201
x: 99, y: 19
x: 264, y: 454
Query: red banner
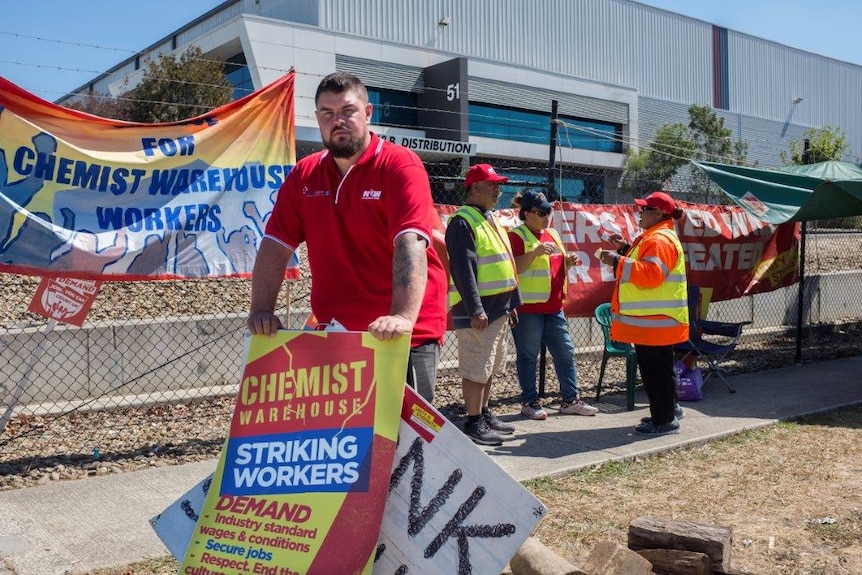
x: 726, y: 249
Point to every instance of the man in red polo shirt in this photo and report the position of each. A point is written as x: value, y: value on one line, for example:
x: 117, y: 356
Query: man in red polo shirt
x: 363, y: 207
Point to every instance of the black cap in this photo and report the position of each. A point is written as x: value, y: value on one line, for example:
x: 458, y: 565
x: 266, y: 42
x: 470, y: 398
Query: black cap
x: 531, y: 200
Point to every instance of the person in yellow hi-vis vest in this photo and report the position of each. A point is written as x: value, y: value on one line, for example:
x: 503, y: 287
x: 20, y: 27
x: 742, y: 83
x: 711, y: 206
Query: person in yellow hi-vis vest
x: 483, y: 297
x: 650, y: 305
x: 542, y: 261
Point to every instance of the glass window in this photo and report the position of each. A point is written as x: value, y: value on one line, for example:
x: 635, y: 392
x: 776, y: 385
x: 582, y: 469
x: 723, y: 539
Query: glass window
x: 392, y: 108
x: 567, y: 188
x: 535, y: 127
x: 236, y: 70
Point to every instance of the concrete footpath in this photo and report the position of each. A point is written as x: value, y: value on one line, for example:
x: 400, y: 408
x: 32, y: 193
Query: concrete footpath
x: 76, y: 526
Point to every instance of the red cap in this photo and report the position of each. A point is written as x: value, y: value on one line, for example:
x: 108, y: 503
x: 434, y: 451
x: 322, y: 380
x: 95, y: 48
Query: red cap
x: 482, y: 173
x: 658, y: 200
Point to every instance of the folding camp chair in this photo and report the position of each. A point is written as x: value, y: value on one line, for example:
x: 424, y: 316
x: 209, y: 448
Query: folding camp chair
x: 711, y: 341
x: 616, y: 349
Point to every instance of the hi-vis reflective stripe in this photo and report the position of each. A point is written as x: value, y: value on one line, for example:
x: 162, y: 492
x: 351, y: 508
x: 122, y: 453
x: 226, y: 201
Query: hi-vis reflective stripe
x: 676, y: 278
x: 648, y: 305
x: 645, y: 322
x: 628, y: 263
x: 536, y: 273
x: 492, y: 285
x: 657, y: 260
x: 492, y: 258
x: 530, y: 295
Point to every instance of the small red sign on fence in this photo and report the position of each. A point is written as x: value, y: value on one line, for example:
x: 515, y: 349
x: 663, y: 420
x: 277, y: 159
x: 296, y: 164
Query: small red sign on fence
x: 65, y: 299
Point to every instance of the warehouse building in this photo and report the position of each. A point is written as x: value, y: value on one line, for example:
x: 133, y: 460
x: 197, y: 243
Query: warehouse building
x: 468, y: 81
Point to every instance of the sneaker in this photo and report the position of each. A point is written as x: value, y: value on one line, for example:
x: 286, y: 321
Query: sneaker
x: 656, y: 430
x: 577, y: 407
x: 481, y: 434
x: 534, y: 411
x: 677, y: 413
x: 497, y: 424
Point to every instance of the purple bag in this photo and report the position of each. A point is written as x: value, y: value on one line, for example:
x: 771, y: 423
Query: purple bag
x: 689, y: 382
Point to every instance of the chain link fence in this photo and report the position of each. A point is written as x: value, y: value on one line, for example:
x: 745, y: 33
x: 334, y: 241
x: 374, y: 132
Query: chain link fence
x: 156, y: 366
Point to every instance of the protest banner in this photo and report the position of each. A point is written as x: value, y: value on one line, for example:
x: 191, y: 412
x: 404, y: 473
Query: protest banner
x: 94, y: 198
x: 306, y: 463
x: 451, y: 508
x: 725, y: 247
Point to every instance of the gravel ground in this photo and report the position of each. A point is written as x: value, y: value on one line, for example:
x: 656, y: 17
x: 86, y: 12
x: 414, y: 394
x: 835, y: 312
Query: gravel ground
x: 40, y: 449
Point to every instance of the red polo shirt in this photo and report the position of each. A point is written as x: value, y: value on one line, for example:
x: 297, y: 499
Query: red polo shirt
x: 350, y: 224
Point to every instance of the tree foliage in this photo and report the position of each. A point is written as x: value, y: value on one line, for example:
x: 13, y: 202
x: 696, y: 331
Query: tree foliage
x: 102, y: 105
x: 826, y: 143
x: 675, y: 145
x: 174, y: 88
x: 713, y: 140
x: 650, y: 167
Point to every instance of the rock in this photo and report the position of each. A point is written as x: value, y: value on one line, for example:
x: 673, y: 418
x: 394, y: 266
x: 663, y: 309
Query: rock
x: 612, y: 559
x: 533, y: 558
x: 654, y: 533
x: 677, y: 561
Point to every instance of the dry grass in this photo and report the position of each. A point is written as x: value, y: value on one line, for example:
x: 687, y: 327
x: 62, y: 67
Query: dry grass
x: 789, y: 492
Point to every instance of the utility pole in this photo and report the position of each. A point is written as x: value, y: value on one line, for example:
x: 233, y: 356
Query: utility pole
x: 552, y: 160
x: 800, y: 303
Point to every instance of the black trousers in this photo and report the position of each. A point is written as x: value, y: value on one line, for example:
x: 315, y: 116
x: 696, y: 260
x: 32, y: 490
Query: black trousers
x: 656, y: 366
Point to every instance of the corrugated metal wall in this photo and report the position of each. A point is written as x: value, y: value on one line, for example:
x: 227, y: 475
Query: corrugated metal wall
x: 667, y: 57
x: 301, y: 11
x: 610, y: 41
x: 530, y: 98
x: 766, y: 77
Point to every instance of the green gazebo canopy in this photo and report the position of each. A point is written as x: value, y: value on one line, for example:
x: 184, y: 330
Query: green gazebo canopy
x: 794, y: 193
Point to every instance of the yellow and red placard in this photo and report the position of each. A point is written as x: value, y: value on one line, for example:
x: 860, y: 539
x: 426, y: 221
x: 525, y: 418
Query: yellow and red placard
x: 95, y: 198
x: 302, y: 480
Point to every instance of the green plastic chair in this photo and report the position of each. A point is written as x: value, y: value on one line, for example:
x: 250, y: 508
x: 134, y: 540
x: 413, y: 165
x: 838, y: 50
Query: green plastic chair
x: 616, y: 349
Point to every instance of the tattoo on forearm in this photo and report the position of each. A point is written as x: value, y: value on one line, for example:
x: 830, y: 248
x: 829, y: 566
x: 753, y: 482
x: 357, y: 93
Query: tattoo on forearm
x: 405, y: 263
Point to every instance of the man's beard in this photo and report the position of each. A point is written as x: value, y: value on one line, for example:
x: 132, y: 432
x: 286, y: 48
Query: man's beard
x: 346, y: 148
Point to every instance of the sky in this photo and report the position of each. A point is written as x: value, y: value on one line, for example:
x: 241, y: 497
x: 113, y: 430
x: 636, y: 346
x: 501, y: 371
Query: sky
x: 51, y: 47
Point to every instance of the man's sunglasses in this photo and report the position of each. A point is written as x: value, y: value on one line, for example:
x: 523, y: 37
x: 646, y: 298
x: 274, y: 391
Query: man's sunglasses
x: 541, y: 213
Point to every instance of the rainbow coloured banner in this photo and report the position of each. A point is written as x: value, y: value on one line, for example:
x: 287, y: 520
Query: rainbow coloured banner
x: 88, y: 197
x: 302, y: 480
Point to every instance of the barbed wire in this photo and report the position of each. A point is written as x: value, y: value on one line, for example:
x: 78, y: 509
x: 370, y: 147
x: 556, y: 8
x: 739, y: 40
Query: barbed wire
x: 539, y: 138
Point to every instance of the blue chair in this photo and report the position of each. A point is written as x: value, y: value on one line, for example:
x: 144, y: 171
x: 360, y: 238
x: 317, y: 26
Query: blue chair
x: 711, y: 341
x: 616, y: 349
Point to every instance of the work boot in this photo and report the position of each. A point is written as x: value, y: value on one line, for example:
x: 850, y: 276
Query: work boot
x: 481, y: 434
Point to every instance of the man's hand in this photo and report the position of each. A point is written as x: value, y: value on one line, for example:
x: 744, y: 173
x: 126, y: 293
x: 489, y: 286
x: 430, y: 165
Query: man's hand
x: 479, y: 321
x: 263, y: 322
x: 616, y: 240
x: 513, y: 318
x: 390, y: 326
x: 607, y: 257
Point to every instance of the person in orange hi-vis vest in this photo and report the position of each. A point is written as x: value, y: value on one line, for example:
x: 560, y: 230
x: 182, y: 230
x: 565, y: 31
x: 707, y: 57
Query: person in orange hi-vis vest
x: 650, y: 305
